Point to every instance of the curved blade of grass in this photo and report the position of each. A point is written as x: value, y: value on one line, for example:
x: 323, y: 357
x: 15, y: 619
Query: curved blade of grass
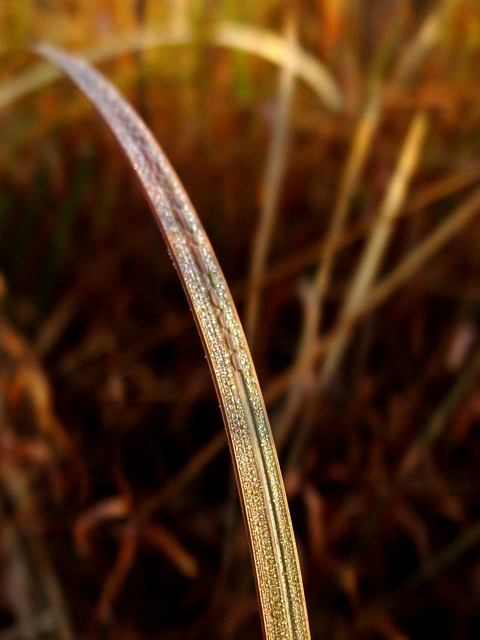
x: 255, y: 462
x: 239, y: 37
x: 269, y: 46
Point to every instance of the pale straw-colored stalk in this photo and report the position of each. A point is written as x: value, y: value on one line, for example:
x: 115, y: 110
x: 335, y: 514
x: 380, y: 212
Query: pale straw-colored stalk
x: 361, y: 144
x: 275, y: 169
x: 422, y: 43
x: 275, y: 49
x: 399, y: 276
x: 232, y: 35
x: 377, y: 243
x: 436, y: 25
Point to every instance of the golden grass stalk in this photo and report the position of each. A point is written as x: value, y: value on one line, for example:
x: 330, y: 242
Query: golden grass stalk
x: 242, y: 37
x: 313, y: 305
x: 422, y: 43
x: 409, y: 266
x: 275, y: 49
x: 435, y: 26
x: 260, y: 485
x: 416, y: 259
x: 291, y: 265
x: 378, y: 240
x: 426, y: 38
x: 366, y: 128
x: 275, y: 170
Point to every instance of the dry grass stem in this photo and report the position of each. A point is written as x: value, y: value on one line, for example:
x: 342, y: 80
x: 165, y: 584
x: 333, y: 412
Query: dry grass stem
x: 275, y: 168
x: 314, y: 299
x: 443, y: 188
x: 292, y: 265
x: 426, y: 38
x: 434, y: 27
x: 449, y: 404
x: 235, y: 36
x: 406, y: 270
x: 187, y: 474
x: 417, y: 258
x: 434, y: 566
x: 276, y: 50
x: 377, y: 243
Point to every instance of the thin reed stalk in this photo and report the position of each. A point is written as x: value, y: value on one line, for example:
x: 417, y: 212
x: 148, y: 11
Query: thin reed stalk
x: 314, y: 299
x: 275, y: 169
x: 399, y: 276
x: 378, y: 241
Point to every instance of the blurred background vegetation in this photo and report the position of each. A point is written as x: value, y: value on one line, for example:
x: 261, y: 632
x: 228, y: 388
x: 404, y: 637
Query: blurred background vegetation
x: 361, y: 156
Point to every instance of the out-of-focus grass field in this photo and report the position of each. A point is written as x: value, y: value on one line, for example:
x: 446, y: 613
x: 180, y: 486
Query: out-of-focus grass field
x: 118, y: 513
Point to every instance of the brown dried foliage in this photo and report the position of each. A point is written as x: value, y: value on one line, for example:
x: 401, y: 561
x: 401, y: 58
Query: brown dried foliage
x: 138, y: 531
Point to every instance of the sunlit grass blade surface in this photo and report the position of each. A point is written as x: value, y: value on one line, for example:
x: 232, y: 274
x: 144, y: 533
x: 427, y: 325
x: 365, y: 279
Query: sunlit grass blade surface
x: 258, y: 475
